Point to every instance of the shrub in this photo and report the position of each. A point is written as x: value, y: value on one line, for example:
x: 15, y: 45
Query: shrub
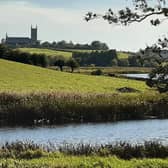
x: 97, y: 72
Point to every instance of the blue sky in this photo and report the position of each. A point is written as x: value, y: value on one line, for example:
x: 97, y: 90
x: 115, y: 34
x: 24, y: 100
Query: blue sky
x: 63, y: 20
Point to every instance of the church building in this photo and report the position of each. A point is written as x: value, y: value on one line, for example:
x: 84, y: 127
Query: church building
x: 23, y: 41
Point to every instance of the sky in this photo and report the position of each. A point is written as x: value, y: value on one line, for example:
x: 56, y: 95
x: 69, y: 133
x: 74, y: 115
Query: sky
x: 64, y: 20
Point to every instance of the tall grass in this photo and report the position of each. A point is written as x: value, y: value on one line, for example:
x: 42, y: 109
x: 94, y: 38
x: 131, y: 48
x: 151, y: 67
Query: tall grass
x: 123, y: 150
x: 23, y: 155
x: 58, y: 108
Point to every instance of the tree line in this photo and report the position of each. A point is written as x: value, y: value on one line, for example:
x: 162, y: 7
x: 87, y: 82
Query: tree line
x: 36, y: 59
x: 98, y: 58
x: 95, y: 45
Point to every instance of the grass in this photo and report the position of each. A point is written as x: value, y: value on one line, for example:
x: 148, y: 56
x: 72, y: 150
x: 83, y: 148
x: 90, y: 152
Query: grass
x: 17, y: 77
x: 67, y: 53
x: 61, y: 161
x: 115, y: 70
x: 61, y: 108
x: 30, y: 93
x: 79, y: 50
x: 47, y: 52
x: 23, y: 156
x: 122, y: 55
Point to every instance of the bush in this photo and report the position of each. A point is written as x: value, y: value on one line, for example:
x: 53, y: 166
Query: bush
x: 98, y: 58
x: 97, y: 72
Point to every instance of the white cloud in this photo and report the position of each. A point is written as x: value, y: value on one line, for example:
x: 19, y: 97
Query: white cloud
x: 68, y: 24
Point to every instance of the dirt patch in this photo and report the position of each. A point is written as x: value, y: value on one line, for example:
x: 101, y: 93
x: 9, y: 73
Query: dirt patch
x: 127, y: 90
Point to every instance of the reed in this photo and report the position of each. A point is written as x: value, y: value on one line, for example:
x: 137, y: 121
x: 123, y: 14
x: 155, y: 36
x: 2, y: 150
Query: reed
x: 59, y: 108
x: 123, y: 150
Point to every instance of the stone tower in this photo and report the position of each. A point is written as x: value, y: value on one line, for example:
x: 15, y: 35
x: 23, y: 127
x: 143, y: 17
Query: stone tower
x: 34, y: 34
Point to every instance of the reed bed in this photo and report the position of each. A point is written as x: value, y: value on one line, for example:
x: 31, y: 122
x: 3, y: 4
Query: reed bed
x: 59, y: 108
x: 121, y: 155
x: 122, y: 150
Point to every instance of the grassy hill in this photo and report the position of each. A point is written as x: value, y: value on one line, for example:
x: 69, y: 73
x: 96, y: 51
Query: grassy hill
x: 47, y: 52
x: 122, y: 55
x: 26, y: 78
x: 65, y: 52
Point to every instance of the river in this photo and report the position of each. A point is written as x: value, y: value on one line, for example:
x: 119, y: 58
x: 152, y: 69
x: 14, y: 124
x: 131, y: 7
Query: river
x: 129, y: 131
x: 138, y: 76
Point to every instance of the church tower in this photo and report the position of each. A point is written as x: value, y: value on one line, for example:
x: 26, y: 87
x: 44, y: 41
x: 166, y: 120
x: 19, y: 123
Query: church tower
x: 34, y: 34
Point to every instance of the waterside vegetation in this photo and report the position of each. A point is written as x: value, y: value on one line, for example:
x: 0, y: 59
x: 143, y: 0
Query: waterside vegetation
x: 122, y: 155
x: 60, y: 108
x: 30, y: 93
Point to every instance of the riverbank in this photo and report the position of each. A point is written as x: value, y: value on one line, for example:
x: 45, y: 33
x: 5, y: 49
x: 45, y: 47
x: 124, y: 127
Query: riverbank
x: 60, y: 108
x: 30, y: 155
x: 59, y: 161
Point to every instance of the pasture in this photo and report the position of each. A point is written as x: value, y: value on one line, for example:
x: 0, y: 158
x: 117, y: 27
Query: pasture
x: 47, y: 52
x: 17, y: 77
x: 122, y: 55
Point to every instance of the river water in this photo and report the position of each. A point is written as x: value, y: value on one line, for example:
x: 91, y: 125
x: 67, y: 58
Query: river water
x: 140, y: 76
x: 129, y: 131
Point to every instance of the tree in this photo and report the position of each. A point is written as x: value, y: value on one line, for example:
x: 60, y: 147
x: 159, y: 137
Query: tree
x: 143, y: 9
x: 60, y: 62
x: 3, y: 50
x: 97, y: 45
x: 72, y: 63
x: 159, y: 78
x: 97, y: 72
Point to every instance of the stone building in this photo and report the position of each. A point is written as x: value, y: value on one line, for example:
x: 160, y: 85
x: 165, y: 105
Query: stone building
x: 23, y: 41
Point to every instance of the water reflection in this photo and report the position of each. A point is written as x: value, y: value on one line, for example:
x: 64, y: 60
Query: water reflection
x: 130, y: 131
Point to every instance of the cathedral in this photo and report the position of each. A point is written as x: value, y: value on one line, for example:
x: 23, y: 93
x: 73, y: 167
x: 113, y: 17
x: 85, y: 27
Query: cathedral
x: 22, y: 41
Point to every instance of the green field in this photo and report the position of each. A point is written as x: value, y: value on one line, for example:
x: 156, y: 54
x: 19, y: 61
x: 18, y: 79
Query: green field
x: 26, y: 78
x: 116, y: 70
x: 122, y: 55
x: 47, y: 52
x: 61, y: 161
x: 67, y: 53
x: 79, y: 50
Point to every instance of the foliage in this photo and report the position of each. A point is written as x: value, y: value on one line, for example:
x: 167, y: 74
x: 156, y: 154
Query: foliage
x: 141, y: 11
x: 63, y: 161
x: 123, y: 63
x: 60, y: 62
x: 122, y: 150
x: 159, y: 78
x: 99, y: 58
x: 100, y: 157
x: 59, y: 108
x: 116, y: 70
x: 72, y: 63
x: 97, y: 72
x: 95, y: 45
x: 27, y: 58
x: 36, y: 97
